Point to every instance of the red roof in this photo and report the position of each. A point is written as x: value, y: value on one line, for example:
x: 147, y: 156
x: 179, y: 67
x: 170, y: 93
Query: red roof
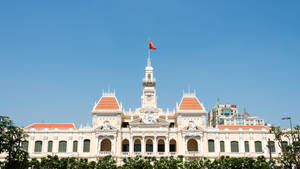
x: 107, y: 103
x: 190, y: 103
x: 237, y: 127
x: 52, y: 125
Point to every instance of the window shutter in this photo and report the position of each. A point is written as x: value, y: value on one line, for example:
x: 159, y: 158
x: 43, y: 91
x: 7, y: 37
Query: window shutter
x: 222, y: 146
x: 211, y: 146
x: 62, y: 148
x: 258, y: 147
x: 75, y: 146
x: 246, y: 146
x: 86, y: 145
x: 50, y: 143
x: 38, y: 146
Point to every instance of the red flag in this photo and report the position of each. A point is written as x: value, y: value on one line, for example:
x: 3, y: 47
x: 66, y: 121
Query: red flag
x: 151, y: 46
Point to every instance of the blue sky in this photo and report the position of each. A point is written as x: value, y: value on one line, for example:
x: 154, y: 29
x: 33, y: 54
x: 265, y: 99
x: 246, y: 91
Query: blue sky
x: 56, y: 57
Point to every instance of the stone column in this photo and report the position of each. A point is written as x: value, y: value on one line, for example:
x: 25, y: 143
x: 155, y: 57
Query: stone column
x: 115, y: 145
x: 167, y: 146
x: 143, y: 145
x: 55, y: 144
x: 69, y: 145
x: 154, y: 146
x: 31, y: 145
x: 184, y: 148
x: 227, y: 143
x: 97, y: 146
x: 217, y: 145
x: 241, y: 146
x: 80, y: 145
x: 45, y: 144
x: 131, y: 146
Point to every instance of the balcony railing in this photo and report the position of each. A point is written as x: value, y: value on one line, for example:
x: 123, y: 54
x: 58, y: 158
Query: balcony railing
x: 125, y: 153
x: 105, y: 153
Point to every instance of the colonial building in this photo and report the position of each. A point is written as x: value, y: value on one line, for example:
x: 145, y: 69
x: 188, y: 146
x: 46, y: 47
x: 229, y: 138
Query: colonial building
x: 148, y: 131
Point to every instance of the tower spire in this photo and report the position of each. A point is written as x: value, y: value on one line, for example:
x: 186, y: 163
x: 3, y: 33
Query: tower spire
x: 149, y: 61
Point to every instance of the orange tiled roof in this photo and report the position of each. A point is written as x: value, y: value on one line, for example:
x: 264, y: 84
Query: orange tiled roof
x: 107, y: 103
x: 190, y: 103
x: 237, y: 127
x: 51, y: 125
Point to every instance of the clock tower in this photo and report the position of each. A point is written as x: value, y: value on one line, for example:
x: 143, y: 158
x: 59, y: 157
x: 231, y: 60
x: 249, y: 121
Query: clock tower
x: 149, y: 99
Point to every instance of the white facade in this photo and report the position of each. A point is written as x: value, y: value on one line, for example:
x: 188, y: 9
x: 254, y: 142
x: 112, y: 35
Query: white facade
x: 148, y: 131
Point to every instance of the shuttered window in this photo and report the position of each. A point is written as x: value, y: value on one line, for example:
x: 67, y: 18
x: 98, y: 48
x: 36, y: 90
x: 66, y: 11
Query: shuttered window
x: 38, y: 146
x: 86, y: 145
x: 25, y: 145
x: 246, y: 146
x: 50, y: 144
x: 211, y: 146
x: 75, y: 146
x: 62, y: 147
x: 272, y: 146
x: 234, y: 146
x: 222, y: 146
x: 258, y: 147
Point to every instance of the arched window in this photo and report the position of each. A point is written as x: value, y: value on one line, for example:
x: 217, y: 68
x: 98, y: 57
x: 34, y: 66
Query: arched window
x: 50, y: 145
x: 62, y: 147
x: 272, y: 146
x: 234, y: 146
x: 149, y: 76
x: 38, y: 146
x: 25, y: 145
x: 161, y: 146
x: 222, y: 146
x: 246, y: 146
x: 125, y: 146
x: 192, y: 145
x: 284, y: 145
x: 86, y: 145
x: 137, y: 145
x: 149, y: 145
x: 258, y: 147
x: 105, y: 145
x: 75, y: 146
x: 211, y: 146
x: 172, y: 146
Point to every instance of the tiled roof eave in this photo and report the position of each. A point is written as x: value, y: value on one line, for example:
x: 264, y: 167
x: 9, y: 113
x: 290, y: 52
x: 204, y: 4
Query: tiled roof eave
x: 106, y: 111
x: 191, y: 111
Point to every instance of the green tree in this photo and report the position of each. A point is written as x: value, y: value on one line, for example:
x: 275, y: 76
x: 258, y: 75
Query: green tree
x: 11, y: 139
x: 290, y: 156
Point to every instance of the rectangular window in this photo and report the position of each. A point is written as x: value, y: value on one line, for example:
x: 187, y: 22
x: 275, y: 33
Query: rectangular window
x: 75, y: 146
x: 38, y: 146
x: 25, y: 145
x: 125, y: 148
x: 86, y: 145
x: 222, y: 146
x: 172, y: 147
x: 137, y: 147
x: 246, y: 146
x: 211, y: 146
x: 50, y: 143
